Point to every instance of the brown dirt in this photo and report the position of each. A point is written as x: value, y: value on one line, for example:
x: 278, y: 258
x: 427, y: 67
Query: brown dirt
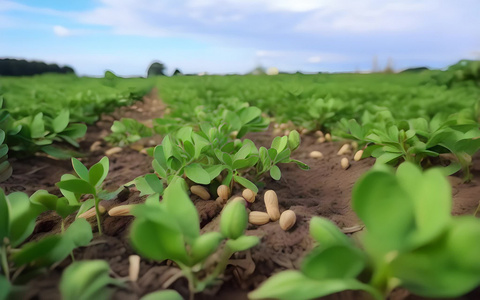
x: 322, y: 191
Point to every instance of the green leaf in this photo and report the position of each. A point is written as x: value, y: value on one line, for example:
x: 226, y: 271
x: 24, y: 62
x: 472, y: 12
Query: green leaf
x: 37, y: 126
x: 431, y: 198
x: 245, y: 183
x: 205, y: 245
x: 327, y: 234
x: 214, y: 170
x: 279, y: 143
x: 54, y: 248
x: 22, y: 217
x: 106, y: 166
x: 293, y: 140
x: 243, y: 243
x: 163, y: 295
x: 58, y: 153
x: 197, y: 174
x: 275, y: 172
x: 289, y: 285
x: 80, y: 169
x: 77, y: 186
x: 42, y: 197
x: 86, y: 205
x: 84, y: 280
x: 242, y: 153
x: 179, y: 206
x: 300, y: 164
x: 386, y: 210
x: 245, y: 163
x: 233, y: 220
x: 61, y: 121
x: 158, y: 239
x: 4, y: 217
x: 95, y: 174
x: 335, y: 262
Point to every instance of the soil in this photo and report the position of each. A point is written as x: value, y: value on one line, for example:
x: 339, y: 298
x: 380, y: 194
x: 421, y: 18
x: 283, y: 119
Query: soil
x: 325, y: 190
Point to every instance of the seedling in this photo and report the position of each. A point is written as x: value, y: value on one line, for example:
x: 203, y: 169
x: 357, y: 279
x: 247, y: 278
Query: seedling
x: 411, y: 241
x: 128, y: 131
x: 17, y: 221
x: 417, y: 140
x: 85, y: 280
x: 170, y: 230
x: 5, y: 167
x: 87, y: 182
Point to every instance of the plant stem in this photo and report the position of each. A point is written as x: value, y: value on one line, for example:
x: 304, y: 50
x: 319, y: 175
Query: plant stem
x: 220, y: 268
x: 3, y: 254
x: 97, y: 213
x: 63, y: 225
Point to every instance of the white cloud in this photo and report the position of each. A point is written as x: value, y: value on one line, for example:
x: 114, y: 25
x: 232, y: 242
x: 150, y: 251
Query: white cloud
x: 61, y: 31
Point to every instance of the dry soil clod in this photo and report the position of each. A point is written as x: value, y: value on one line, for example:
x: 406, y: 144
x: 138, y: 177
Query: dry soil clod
x: 287, y: 219
x: 271, y: 204
x: 200, y: 191
x: 316, y: 154
x: 358, y: 155
x: 134, y: 267
x: 223, y: 191
x: 121, y: 210
x: 249, y: 195
x: 92, y: 212
x: 113, y: 151
x: 345, y: 149
x: 345, y: 163
x: 258, y: 218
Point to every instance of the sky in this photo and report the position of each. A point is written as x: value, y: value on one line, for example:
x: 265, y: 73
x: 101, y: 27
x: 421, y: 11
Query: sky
x: 235, y: 36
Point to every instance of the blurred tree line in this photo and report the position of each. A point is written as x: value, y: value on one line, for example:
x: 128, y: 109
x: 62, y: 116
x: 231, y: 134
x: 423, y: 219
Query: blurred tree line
x: 21, y: 67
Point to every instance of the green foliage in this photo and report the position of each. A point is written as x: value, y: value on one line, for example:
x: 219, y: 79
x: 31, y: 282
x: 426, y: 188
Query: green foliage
x: 128, y: 131
x: 5, y: 167
x: 170, y: 230
x: 85, y: 280
x: 418, y: 140
x: 411, y: 241
x: 86, y: 182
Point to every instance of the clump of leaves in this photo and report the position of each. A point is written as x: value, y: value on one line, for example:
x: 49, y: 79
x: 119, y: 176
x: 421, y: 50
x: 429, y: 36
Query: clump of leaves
x: 170, y: 229
x: 20, y: 262
x: 85, y: 280
x: 5, y: 167
x: 411, y: 241
x: 87, y: 182
x: 128, y: 131
x: 202, y: 156
x: 418, y: 140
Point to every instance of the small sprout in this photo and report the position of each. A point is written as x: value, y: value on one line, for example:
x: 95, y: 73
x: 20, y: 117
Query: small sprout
x: 344, y: 163
x: 134, y: 267
x: 271, y: 204
x: 358, y: 155
x: 91, y: 212
x: 121, y: 210
x: 113, y: 151
x: 233, y: 221
x: 344, y: 150
x: 223, y: 191
x: 328, y: 137
x: 200, y: 191
x: 249, y: 195
x: 258, y: 218
x: 287, y: 219
x: 316, y: 154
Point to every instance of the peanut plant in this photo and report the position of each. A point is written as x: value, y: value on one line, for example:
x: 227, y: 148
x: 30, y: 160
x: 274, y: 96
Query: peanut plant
x: 411, y: 241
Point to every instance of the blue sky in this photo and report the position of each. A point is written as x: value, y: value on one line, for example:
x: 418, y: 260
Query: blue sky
x: 234, y: 36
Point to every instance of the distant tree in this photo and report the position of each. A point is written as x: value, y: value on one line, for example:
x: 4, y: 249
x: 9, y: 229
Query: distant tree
x: 389, y: 67
x: 259, y: 70
x: 156, y: 69
x: 177, y: 72
x: 21, y: 67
